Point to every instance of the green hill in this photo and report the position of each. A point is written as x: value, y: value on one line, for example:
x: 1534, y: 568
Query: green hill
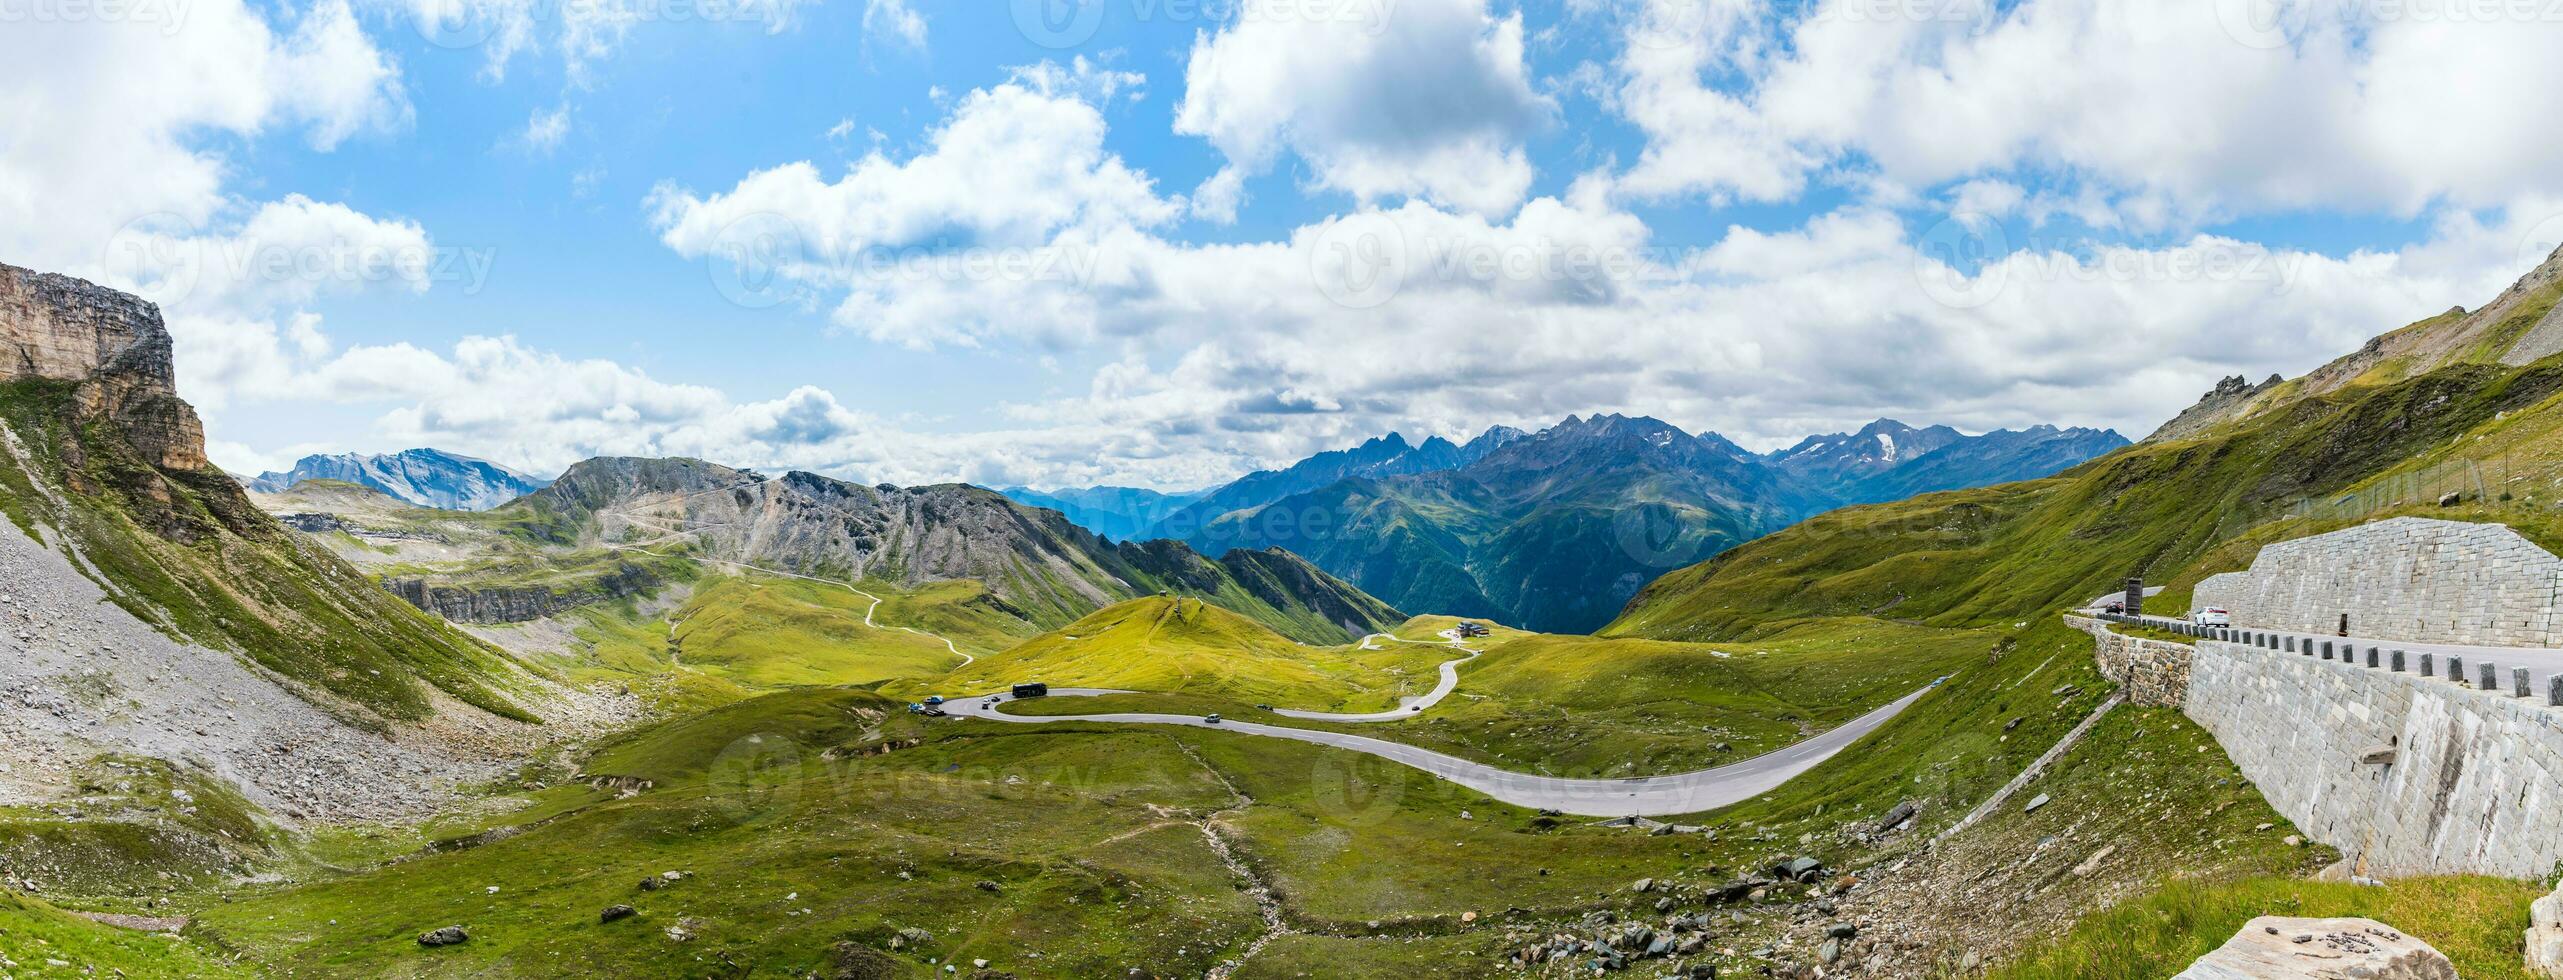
x: 1174, y: 645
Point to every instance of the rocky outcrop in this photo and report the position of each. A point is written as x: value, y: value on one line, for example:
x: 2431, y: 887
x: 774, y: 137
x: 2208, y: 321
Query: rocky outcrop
x: 494, y: 605
x: 2276, y: 948
x: 112, y: 347
x: 2229, y: 400
x: 2545, y: 936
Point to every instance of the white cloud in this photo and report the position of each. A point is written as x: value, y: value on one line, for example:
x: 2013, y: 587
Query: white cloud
x: 545, y: 129
x: 115, y: 122
x: 1429, y: 99
x: 894, y: 19
x: 2179, y: 112
x: 1019, y: 166
x: 1424, y: 318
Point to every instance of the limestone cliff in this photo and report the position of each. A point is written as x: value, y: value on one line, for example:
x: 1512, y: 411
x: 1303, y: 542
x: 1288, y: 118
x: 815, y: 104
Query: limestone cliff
x: 112, y: 347
x: 101, y: 461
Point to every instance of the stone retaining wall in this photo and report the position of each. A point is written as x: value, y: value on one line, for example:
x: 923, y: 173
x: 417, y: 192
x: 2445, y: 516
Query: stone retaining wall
x: 2405, y: 774
x: 2154, y: 673
x: 2410, y: 578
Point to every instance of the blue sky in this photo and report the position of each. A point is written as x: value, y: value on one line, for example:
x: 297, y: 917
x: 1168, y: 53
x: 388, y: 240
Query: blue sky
x: 1766, y: 220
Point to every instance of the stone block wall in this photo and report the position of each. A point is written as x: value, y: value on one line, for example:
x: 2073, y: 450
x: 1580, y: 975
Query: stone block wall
x: 2407, y: 775
x: 2149, y: 672
x: 2408, y: 578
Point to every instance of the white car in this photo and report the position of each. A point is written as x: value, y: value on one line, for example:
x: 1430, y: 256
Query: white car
x: 2211, y: 617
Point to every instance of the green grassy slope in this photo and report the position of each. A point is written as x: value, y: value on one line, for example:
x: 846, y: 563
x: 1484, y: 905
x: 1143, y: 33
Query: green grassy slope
x: 187, y: 551
x: 788, y: 852
x: 35, y: 937
x: 1187, y: 646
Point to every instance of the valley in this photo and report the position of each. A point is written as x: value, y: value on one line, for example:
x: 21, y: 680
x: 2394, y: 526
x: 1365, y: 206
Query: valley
x: 663, y: 716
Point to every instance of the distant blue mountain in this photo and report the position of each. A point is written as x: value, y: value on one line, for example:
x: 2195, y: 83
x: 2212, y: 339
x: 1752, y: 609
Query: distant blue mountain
x: 425, y: 477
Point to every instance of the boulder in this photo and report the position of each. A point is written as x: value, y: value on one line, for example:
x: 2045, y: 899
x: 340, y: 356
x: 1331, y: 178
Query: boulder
x: 2545, y: 936
x: 616, y: 913
x: 2277, y: 948
x: 448, y: 936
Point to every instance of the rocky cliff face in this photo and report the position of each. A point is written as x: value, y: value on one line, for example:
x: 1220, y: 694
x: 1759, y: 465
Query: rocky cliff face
x: 112, y: 347
x: 102, y: 462
x: 493, y: 605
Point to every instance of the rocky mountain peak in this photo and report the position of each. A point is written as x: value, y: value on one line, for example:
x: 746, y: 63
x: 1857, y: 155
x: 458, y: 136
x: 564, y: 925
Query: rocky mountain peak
x: 420, y: 477
x: 113, y: 347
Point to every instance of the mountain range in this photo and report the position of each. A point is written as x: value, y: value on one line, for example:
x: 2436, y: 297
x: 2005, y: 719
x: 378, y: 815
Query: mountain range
x: 425, y: 477
x: 1555, y: 530
x: 1037, y: 566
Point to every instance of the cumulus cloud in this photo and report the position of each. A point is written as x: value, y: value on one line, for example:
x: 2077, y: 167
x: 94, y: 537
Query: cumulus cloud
x: 1423, y: 98
x: 1423, y: 317
x: 2178, y: 112
x: 115, y: 122
x: 1018, y: 173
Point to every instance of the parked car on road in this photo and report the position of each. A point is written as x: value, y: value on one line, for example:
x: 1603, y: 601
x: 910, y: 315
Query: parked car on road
x: 1210, y: 719
x: 2211, y: 617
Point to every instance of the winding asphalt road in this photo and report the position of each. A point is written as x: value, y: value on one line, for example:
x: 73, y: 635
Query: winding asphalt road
x: 1648, y: 796
x: 1406, y: 707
